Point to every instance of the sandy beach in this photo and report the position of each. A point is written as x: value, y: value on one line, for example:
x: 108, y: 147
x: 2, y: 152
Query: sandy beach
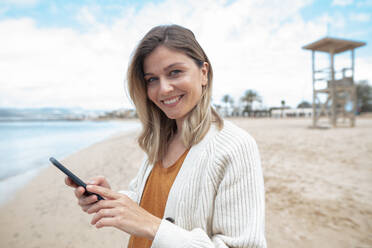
x: 318, y: 189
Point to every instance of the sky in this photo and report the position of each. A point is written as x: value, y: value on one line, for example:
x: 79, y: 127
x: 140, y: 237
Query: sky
x: 68, y: 53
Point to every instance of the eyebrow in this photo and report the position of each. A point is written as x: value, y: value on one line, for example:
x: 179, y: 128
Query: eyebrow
x: 166, y: 68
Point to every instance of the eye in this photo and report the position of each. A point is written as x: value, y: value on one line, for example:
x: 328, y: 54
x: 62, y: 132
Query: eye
x: 174, y: 73
x: 151, y: 80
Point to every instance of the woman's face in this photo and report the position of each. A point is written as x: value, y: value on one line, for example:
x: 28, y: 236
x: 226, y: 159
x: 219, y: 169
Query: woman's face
x: 174, y: 81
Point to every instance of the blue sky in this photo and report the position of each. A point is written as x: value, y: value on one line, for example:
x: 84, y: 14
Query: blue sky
x: 63, y: 13
x: 74, y: 53
x: 347, y: 19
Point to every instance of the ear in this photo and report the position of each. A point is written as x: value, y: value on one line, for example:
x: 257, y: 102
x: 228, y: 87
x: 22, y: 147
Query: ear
x: 204, y: 71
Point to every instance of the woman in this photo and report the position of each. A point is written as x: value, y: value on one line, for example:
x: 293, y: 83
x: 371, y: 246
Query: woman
x: 201, y: 183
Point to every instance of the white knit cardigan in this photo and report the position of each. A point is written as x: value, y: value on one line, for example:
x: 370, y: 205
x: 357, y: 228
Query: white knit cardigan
x: 217, y: 198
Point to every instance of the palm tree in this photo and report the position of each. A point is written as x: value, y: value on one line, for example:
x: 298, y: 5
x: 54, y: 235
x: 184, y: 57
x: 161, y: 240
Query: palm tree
x: 248, y: 98
x: 227, y: 99
x: 283, y: 105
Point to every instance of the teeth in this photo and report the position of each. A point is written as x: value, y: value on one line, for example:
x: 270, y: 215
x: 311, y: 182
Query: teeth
x: 172, y: 100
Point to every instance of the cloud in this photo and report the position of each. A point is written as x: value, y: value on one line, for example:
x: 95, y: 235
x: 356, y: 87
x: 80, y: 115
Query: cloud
x: 360, y: 17
x: 342, y: 2
x: 365, y: 3
x: 252, y: 45
x: 334, y: 23
x: 3, y: 10
x: 87, y: 16
x: 66, y: 68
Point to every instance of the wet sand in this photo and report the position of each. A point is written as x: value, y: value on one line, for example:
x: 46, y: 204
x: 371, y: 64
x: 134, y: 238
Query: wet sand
x: 318, y: 189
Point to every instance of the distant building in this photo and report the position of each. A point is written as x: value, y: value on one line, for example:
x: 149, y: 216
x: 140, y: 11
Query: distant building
x: 297, y: 112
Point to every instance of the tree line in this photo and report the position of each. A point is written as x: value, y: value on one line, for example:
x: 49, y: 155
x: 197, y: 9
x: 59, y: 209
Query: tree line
x: 243, y: 106
x: 364, y: 96
x: 245, y: 103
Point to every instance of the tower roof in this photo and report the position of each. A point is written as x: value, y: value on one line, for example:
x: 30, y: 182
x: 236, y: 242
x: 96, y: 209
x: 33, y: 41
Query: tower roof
x: 328, y: 45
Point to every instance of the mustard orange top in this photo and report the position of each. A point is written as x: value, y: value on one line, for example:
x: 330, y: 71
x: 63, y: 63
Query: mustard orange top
x: 155, y: 195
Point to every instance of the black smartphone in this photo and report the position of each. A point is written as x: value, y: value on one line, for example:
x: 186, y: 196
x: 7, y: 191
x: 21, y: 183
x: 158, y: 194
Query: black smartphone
x: 74, y: 178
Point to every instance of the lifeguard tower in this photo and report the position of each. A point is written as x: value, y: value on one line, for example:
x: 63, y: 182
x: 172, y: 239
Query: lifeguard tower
x: 334, y: 92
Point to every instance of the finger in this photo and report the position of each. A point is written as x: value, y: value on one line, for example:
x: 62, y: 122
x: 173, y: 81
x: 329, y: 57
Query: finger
x: 79, y: 191
x: 83, y: 201
x: 70, y: 183
x: 105, y: 192
x: 100, y: 181
x: 108, y: 221
x: 86, y: 207
x: 106, y: 204
x: 104, y: 213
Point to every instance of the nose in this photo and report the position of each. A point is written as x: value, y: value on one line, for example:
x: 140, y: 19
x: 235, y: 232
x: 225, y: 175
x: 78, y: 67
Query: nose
x: 165, y: 86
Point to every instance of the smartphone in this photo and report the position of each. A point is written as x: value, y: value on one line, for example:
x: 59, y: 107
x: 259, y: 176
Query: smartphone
x: 74, y: 178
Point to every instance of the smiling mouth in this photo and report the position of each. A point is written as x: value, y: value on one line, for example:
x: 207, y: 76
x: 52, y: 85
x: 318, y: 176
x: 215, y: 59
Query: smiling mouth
x: 172, y: 100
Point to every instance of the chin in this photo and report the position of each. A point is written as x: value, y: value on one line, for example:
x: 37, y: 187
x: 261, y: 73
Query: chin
x: 174, y: 116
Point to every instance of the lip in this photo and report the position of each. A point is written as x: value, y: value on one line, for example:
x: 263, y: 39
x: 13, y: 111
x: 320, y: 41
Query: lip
x: 171, y: 98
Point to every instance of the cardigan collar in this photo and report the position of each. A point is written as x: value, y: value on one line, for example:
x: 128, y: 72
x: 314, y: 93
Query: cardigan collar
x: 186, y: 168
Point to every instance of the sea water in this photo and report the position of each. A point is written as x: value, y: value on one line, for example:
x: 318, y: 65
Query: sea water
x: 25, y: 147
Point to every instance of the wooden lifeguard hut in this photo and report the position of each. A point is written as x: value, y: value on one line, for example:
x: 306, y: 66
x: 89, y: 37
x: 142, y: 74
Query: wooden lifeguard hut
x: 334, y: 92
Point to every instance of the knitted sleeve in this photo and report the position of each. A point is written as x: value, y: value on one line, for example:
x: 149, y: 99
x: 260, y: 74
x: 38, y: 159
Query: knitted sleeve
x: 239, y: 205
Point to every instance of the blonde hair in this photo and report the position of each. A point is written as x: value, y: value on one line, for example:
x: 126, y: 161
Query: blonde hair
x: 158, y: 129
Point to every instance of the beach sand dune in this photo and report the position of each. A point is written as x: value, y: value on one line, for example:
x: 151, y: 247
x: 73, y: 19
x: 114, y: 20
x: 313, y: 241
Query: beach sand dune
x: 318, y: 189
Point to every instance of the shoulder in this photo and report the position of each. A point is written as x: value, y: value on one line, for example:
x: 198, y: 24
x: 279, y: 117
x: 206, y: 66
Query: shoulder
x: 233, y: 156
x: 233, y: 138
x: 222, y: 145
x: 231, y: 146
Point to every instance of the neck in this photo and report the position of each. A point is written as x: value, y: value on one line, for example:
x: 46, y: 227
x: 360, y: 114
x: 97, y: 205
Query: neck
x: 179, y: 123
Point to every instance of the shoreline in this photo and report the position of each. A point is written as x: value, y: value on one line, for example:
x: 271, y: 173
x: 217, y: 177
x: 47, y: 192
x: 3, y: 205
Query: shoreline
x: 318, y: 185
x: 18, y: 182
x: 42, y: 213
x: 15, y: 181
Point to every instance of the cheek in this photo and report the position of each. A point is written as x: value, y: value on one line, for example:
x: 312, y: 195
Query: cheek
x: 151, y: 94
x: 197, y: 89
x: 192, y: 84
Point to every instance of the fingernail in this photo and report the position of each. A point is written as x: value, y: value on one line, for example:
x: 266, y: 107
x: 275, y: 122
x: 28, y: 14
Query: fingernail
x: 91, y: 182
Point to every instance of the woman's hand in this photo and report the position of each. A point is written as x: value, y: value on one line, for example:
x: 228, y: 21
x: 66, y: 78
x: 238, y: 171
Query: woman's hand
x: 118, y: 210
x: 84, y: 201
